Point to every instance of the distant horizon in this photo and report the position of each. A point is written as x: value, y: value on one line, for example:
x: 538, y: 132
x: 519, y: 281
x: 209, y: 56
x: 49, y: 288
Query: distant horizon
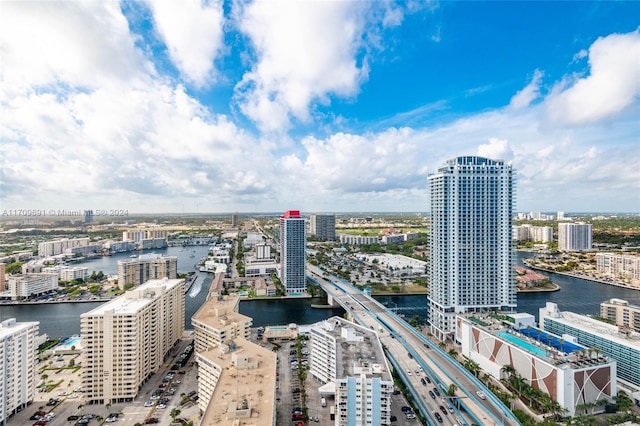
x: 302, y: 212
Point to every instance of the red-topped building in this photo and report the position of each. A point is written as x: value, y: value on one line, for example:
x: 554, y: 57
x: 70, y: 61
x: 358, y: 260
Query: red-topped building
x: 293, y: 242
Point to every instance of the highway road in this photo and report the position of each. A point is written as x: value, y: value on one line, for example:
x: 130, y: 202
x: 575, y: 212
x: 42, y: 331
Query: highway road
x: 415, y: 357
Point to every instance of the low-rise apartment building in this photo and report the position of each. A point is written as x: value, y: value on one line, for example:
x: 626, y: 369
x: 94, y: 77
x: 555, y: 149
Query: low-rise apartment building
x: 621, y: 313
x: 28, y: 285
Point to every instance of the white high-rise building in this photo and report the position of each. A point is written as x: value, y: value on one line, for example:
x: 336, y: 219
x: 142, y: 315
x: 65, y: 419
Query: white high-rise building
x: 293, y: 246
x: 348, y: 359
x: 127, y: 339
x: 472, y: 251
x: 574, y: 236
x: 17, y: 366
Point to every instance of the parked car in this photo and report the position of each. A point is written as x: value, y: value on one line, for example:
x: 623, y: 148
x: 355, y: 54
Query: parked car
x: 481, y: 395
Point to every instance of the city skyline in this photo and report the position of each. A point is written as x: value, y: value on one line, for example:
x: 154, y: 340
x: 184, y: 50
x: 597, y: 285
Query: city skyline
x: 321, y: 106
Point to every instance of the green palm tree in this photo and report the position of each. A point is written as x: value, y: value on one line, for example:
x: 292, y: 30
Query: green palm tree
x: 453, y: 353
x: 508, y: 370
x: 451, y: 390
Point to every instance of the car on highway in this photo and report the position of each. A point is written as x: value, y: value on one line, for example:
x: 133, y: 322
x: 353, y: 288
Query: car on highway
x: 438, y: 416
x: 432, y: 395
x: 481, y: 395
x: 436, y: 391
x: 428, y: 379
x: 424, y: 383
x: 450, y: 408
x: 408, y: 372
x: 444, y: 410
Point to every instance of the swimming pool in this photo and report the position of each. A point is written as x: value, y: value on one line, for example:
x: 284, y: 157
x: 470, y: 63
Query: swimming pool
x: 71, y: 341
x: 278, y: 327
x: 522, y: 343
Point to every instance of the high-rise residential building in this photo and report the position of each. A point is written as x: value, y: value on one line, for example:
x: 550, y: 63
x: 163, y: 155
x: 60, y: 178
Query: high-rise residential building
x: 17, y: 366
x: 293, y: 245
x: 621, y: 313
x: 607, y: 339
x: 27, y: 285
x: 560, y: 215
x: 126, y: 339
x: 236, y: 378
x: 574, y: 236
x: 528, y: 232
x: 348, y: 360
x: 323, y: 226
x: 472, y: 251
x: 3, y: 281
x: 146, y: 267
x: 234, y: 219
x: 53, y: 248
x: 135, y: 236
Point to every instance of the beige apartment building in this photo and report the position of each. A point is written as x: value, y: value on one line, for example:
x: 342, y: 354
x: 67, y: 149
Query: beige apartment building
x: 621, y: 313
x: 126, y: 339
x: 17, y: 366
x: 146, y: 267
x: 237, y: 374
x: 218, y: 322
x: 27, y: 285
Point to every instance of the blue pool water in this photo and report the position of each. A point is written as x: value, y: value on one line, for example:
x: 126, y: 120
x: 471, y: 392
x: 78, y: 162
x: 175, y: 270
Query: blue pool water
x: 551, y: 340
x: 71, y: 341
x: 279, y: 327
x: 521, y: 343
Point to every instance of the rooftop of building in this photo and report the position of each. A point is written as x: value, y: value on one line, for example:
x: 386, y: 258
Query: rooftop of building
x: 219, y: 311
x: 620, y: 302
x: 544, y: 345
x: 358, y: 349
x: 11, y: 326
x: 614, y: 333
x: 138, y: 297
x: 245, y: 392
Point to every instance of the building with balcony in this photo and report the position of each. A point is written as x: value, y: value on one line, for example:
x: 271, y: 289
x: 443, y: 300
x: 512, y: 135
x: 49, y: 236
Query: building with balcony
x: 236, y: 378
x: 471, y: 246
x: 293, y: 246
x: 622, y: 345
x: 56, y: 247
x: 620, y: 266
x: 323, y: 226
x: 348, y: 360
x: 17, y: 366
x: 146, y: 267
x: 218, y: 321
x: 621, y: 313
x: 127, y: 339
x: 28, y: 285
x: 574, y: 236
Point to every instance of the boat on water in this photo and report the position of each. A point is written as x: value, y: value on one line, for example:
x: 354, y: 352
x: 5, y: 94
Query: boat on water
x: 133, y: 256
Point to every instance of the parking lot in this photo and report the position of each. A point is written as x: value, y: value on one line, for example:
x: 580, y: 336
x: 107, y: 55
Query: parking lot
x: 68, y: 405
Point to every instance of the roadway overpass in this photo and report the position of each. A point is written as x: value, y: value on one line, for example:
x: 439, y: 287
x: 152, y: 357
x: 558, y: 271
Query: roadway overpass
x: 415, y: 357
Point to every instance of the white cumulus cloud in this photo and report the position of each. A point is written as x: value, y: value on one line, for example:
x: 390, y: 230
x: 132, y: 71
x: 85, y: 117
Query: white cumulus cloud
x: 530, y: 93
x: 613, y: 83
x: 496, y: 149
x: 193, y: 33
x: 305, y: 51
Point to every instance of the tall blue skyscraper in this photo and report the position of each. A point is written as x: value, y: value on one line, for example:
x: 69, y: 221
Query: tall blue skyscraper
x: 472, y: 251
x: 293, y: 242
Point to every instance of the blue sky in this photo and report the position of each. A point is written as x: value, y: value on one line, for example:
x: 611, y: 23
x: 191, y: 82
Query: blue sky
x: 323, y: 106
